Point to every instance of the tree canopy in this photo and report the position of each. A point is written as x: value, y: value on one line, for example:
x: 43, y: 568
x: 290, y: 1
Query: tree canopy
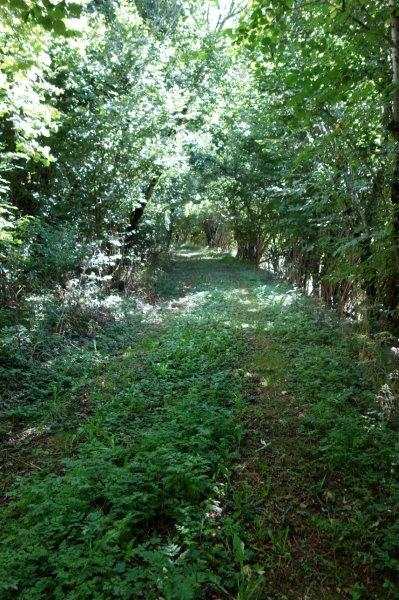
x: 199, y: 298
x: 274, y: 121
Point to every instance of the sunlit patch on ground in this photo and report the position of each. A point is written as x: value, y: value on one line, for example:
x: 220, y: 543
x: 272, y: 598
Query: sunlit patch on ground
x: 188, y: 302
x: 267, y: 296
x: 190, y: 254
x: 28, y: 433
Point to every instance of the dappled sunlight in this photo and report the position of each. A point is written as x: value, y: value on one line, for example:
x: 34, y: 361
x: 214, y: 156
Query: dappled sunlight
x: 163, y: 384
x: 236, y: 294
x: 268, y: 325
x: 246, y: 301
x: 151, y: 313
x: 247, y: 326
x: 28, y: 434
x: 190, y: 253
x: 267, y: 296
x: 199, y: 299
x: 201, y: 254
x: 210, y: 292
x: 188, y: 302
x: 208, y: 288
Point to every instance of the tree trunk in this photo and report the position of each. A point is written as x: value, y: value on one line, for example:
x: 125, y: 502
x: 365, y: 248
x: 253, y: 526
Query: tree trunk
x: 137, y: 214
x: 170, y: 230
x: 210, y: 227
x: 249, y: 249
x: 121, y: 271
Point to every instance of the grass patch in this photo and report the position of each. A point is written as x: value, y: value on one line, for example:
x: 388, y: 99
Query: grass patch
x: 320, y: 485
x: 231, y: 442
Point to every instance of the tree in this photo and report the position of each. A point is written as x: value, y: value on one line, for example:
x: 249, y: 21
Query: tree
x: 328, y: 91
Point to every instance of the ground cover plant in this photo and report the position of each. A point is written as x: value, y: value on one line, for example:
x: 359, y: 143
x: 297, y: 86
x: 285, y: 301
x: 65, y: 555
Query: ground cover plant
x: 234, y: 437
x: 199, y: 299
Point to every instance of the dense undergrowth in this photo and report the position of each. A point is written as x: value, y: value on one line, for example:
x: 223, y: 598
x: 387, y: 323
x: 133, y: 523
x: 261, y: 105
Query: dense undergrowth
x: 232, y: 440
x: 180, y: 426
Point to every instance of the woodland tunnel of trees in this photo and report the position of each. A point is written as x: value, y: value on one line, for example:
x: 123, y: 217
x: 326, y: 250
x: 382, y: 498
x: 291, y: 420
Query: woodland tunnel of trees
x: 160, y: 154
x: 270, y: 127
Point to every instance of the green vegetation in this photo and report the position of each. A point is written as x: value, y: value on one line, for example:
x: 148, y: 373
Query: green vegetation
x: 229, y: 437
x: 199, y: 299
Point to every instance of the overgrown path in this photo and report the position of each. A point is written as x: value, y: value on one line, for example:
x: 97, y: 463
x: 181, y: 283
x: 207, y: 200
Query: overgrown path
x: 224, y: 443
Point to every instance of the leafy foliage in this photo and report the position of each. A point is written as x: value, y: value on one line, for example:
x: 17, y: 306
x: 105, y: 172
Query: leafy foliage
x: 176, y: 423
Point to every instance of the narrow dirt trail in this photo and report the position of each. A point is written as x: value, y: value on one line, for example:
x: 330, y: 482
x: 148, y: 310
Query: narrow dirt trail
x: 312, y: 468
x: 225, y: 454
